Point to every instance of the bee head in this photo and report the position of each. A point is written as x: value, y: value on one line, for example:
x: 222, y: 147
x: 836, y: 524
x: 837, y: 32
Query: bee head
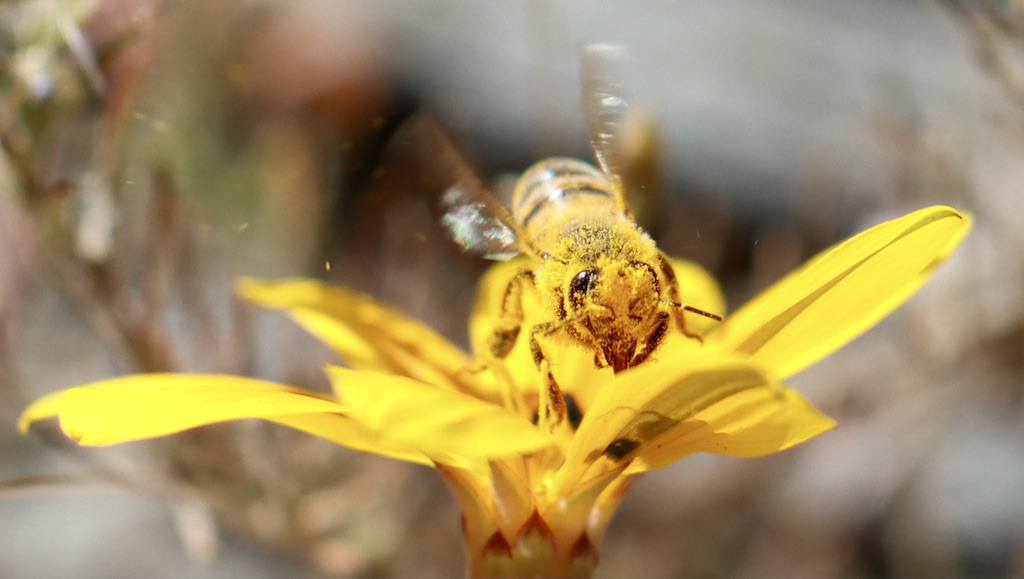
x: 615, y: 290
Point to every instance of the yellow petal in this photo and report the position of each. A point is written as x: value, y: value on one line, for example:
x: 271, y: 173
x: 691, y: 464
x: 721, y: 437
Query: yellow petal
x: 341, y: 429
x: 150, y: 405
x: 368, y: 334
x: 843, y: 291
x: 447, y: 426
x: 46, y: 407
x: 756, y: 421
x: 702, y: 400
x: 473, y: 493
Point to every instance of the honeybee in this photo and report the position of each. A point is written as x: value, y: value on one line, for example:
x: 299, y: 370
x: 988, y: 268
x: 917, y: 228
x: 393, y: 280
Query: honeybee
x: 602, y: 279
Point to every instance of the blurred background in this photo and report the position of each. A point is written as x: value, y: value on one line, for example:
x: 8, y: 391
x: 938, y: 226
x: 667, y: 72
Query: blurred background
x: 151, y: 152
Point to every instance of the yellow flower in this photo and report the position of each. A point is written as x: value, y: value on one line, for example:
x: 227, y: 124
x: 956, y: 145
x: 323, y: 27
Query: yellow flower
x: 536, y: 496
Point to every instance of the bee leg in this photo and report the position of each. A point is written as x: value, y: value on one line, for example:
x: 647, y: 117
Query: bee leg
x: 510, y: 321
x: 553, y: 408
x: 535, y: 349
x: 652, y: 341
x: 491, y: 350
x: 672, y: 289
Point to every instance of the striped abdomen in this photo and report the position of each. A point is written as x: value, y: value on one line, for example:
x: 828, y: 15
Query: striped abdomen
x: 558, y: 187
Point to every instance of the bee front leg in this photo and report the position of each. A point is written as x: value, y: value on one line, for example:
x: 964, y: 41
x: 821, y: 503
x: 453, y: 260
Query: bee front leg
x: 672, y: 289
x: 491, y: 349
x: 510, y: 319
x: 652, y: 341
x: 553, y: 408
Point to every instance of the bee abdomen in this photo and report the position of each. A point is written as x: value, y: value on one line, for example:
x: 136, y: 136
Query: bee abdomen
x: 554, y: 186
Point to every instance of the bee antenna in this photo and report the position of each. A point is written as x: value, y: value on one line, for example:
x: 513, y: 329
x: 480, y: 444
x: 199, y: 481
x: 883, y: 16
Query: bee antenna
x: 698, y: 311
x: 703, y: 313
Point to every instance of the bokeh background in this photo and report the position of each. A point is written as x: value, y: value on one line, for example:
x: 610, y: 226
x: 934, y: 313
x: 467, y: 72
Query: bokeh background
x: 152, y: 151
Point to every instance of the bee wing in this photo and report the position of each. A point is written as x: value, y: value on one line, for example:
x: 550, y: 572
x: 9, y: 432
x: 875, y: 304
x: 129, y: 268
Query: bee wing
x: 642, y: 170
x: 476, y: 223
x: 471, y: 214
x: 604, y: 107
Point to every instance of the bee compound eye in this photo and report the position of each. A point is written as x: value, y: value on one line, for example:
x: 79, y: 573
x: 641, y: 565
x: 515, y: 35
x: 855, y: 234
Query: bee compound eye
x: 582, y: 283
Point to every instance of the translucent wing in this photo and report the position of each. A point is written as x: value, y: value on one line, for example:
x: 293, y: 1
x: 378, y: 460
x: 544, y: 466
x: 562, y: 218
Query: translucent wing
x: 473, y: 224
x: 642, y: 172
x: 604, y: 106
x: 471, y: 214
